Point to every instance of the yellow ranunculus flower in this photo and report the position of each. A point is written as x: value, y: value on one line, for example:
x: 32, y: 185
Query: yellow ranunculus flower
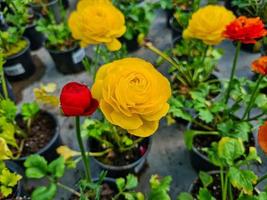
x: 96, y: 22
x: 132, y: 94
x: 208, y: 24
x: 5, y: 152
x: 66, y: 152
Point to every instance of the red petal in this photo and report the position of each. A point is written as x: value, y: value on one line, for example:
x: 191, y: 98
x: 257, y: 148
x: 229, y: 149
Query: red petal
x: 262, y: 137
x: 92, y: 108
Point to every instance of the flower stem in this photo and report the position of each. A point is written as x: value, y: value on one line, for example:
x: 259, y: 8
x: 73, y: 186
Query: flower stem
x: 261, y: 179
x: 205, y: 54
x: 222, y: 180
x: 252, y: 98
x: 96, y: 60
x: 3, y: 82
x: 65, y: 187
x: 151, y: 47
x: 232, y: 72
x: 85, y: 159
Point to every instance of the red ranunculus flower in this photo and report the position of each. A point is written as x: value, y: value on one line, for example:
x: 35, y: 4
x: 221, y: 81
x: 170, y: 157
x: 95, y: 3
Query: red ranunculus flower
x: 260, y: 65
x: 262, y: 137
x: 76, y: 100
x: 246, y: 30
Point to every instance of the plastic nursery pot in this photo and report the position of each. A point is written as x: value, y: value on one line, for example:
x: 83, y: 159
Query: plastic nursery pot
x: 132, y: 45
x: 17, y: 191
x: 214, y: 188
x: 169, y: 14
x: 121, y: 171
x: 69, y: 61
x: 20, y: 65
x: 108, y: 182
x: 36, y: 38
x: 52, y: 6
x: 49, y: 149
x: 199, y: 160
x: 9, y: 91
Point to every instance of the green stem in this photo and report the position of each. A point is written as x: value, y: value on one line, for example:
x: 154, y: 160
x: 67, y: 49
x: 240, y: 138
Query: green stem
x: 232, y: 72
x: 205, y: 54
x: 256, y: 117
x: 4, y: 86
x: 96, y: 60
x: 198, y: 123
x: 151, y: 47
x: 222, y: 180
x: 225, y: 188
x: 98, y: 154
x: 65, y: 187
x: 261, y: 179
x: 230, y: 191
x: 133, y: 145
x: 252, y: 98
x: 85, y: 159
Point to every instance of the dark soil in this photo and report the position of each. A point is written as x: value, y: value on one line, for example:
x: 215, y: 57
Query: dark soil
x: 115, y: 158
x: 214, y: 188
x: 42, y: 130
x: 106, y: 193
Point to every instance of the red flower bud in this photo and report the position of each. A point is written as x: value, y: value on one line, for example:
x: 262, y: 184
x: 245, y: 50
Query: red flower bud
x: 76, y: 100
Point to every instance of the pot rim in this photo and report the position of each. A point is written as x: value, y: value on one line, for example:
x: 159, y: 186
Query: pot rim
x: 34, y: 5
x: 76, y: 46
x: 54, y: 138
x: 129, y: 166
x: 22, y: 51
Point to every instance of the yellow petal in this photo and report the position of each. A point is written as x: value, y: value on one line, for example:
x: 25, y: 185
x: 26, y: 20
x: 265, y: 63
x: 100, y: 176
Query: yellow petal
x: 158, y: 115
x: 66, y: 152
x: 114, y: 45
x: 107, y: 110
x: 97, y: 89
x: 125, y: 122
x: 146, y: 130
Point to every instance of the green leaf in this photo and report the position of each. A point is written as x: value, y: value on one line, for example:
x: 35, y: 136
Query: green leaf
x: 243, y: 180
x: 8, y: 178
x: 57, y: 167
x: 242, y: 130
x: 5, y: 191
x: 131, y: 182
x: 159, y: 188
x: 226, y: 127
x: 129, y: 196
x: 29, y: 110
x: 204, y: 194
x: 45, y: 193
x: 253, y: 156
x: 205, y: 115
x: 120, y: 182
x: 230, y: 149
x: 205, y: 178
x: 8, y: 109
x: 185, y: 196
x: 188, y: 138
x: 36, y: 167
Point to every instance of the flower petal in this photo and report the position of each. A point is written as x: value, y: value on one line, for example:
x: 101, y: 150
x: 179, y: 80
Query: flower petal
x: 114, y: 45
x: 146, y: 130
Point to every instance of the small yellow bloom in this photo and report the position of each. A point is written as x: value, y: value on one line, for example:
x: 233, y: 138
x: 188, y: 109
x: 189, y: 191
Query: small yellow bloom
x: 96, y: 22
x: 133, y: 95
x: 44, y: 94
x: 5, y: 152
x: 208, y: 24
x: 66, y: 152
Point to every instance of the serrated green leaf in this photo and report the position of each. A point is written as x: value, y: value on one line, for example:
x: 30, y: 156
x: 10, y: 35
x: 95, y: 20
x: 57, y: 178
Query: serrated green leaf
x: 185, y: 196
x: 57, y: 167
x: 44, y: 193
x: 253, y: 155
x: 205, y: 115
x: 8, y: 178
x: 204, y: 194
x: 120, y: 182
x: 131, y: 182
x: 230, y: 149
x: 243, y: 180
x: 205, y: 178
x: 36, y: 166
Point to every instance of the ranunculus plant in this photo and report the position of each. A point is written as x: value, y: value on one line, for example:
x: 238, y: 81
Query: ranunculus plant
x: 232, y: 181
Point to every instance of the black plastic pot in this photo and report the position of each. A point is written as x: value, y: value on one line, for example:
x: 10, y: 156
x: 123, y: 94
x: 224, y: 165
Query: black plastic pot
x: 131, y: 45
x: 69, y: 61
x: 169, y: 14
x: 49, y: 151
x: 19, y: 66
x: 36, y: 38
x: 9, y: 91
x: 122, y: 171
x: 52, y: 6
